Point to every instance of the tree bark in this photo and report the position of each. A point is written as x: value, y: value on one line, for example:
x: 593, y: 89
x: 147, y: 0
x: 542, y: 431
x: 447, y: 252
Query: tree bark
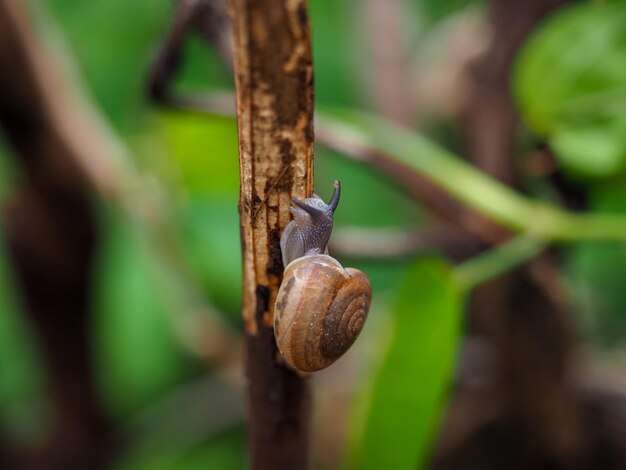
x: 274, y: 80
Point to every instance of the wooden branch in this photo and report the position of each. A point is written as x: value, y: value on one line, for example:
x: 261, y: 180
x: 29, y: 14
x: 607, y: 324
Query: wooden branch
x: 274, y: 81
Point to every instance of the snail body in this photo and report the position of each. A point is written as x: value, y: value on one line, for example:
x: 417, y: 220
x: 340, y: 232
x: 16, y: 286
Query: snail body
x: 321, y: 307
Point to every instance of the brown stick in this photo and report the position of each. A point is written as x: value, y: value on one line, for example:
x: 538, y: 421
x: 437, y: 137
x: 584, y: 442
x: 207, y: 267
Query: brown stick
x: 274, y: 81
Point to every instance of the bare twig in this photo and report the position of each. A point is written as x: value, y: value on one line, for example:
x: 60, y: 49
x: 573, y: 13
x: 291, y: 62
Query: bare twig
x: 274, y: 80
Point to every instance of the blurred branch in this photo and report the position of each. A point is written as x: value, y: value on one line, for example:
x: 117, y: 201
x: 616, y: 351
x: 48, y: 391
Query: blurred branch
x: 489, y: 117
x: 521, y: 313
x: 188, y: 416
x: 476, y: 228
x: 210, y: 18
x: 452, y: 189
x: 35, y: 98
x: 386, y: 38
x: 374, y: 243
x: 274, y: 78
x: 496, y: 261
x: 414, y: 154
x: 342, y: 136
x: 70, y: 155
x: 51, y: 235
x: 167, y: 60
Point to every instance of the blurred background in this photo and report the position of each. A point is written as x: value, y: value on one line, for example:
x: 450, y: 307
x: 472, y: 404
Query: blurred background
x: 120, y: 268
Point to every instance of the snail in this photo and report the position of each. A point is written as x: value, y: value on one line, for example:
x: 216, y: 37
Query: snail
x: 320, y: 307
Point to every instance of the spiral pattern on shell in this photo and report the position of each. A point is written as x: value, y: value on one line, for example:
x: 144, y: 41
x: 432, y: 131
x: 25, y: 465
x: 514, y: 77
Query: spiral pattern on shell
x: 320, y: 311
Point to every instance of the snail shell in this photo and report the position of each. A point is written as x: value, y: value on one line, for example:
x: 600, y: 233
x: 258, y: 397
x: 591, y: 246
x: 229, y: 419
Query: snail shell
x: 320, y: 311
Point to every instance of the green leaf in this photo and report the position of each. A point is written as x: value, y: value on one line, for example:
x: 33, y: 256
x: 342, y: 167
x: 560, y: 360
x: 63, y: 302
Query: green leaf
x: 337, y: 53
x: 204, y: 151
x: 496, y: 261
x: 113, y: 49
x: 597, y: 150
x: 438, y: 10
x: 406, y: 397
x: 570, y: 83
x: 226, y: 451
x: 596, y: 275
x: 596, y: 278
x: 210, y: 238
x: 137, y: 356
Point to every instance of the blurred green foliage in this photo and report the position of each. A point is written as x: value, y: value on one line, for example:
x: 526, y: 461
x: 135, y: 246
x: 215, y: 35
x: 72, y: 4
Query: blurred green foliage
x: 222, y: 451
x: 203, y: 151
x: 139, y: 359
x: 570, y: 86
x: 113, y: 42
x: 406, y: 397
x: 137, y: 356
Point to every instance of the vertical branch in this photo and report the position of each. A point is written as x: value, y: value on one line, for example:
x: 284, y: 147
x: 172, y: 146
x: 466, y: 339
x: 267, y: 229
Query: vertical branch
x: 522, y: 314
x: 274, y: 81
x: 489, y: 118
x: 51, y: 233
x: 386, y: 33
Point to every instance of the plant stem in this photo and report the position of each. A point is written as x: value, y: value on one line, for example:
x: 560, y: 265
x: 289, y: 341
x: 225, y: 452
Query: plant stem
x: 362, y: 135
x: 466, y: 183
x: 274, y: 80
x: 497, y: 261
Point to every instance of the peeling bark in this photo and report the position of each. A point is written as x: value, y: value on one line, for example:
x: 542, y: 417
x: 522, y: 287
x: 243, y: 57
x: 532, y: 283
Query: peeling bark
x: 274, y: 79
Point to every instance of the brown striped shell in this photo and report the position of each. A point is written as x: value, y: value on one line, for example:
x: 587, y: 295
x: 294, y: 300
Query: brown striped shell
x: 320, y: 311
